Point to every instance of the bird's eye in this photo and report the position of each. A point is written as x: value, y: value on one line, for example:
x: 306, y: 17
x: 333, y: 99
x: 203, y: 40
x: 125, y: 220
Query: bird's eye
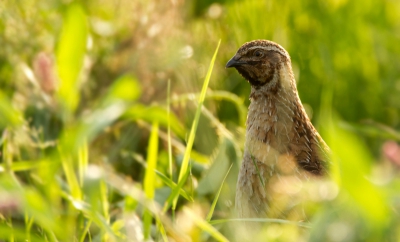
x: 258, y: 53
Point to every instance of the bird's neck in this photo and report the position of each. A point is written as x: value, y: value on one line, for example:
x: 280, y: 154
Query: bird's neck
x: 276, y: 102
x: 269, y: 111
x: 270, y: 118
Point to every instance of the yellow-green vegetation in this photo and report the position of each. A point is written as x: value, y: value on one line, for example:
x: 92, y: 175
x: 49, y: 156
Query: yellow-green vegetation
x: 119, y: 121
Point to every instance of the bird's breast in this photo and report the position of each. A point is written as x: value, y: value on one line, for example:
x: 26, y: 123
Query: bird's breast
x: 268, y: 131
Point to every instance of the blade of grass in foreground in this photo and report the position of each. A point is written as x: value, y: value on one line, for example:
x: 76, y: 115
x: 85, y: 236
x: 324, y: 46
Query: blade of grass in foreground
x: 161, y: 229
x: 210, y: 214
x: 172, y: 185
x: 150, y: 176
x: 169, y: 129
x: 175, y: 193
x: 186, y: 157
x: 17, y: 234
x: 205, y: 226
x: 97, y: 218
x: 86, y: 231
x: 163, y: 177
x: 72, y: 180
x: 105, y: 206
x: 261, y: 220
x: 9, y: 115
x: 83, y: 160
x: 70, y: 53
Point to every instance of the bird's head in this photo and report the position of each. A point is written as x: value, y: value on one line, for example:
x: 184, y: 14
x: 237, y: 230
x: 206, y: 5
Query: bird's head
x: 259, y: 62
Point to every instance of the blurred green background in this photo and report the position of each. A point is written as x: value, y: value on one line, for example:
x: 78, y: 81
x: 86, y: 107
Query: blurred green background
x: 84, y: 83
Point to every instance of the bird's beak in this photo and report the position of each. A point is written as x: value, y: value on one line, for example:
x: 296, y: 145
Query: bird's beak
x: 234, y: 62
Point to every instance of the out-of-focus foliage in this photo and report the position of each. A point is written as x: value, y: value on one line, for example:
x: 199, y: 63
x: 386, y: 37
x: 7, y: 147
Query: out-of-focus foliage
x: 84, y: 83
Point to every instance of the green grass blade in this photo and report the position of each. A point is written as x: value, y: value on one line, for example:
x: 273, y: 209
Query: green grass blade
x: 85, y: 231
x: 9, y: 223
x: 105, y: 206
x: 165, y: 179
x: 9, y: 115
x: 147, y: 220
x: 104, y: 200
x: 38, y: 208
x: 210, y: 214
x: 17, y: 233
x: 161, y: 229
x: 169, y: 129
x: 6, y: 154
x: 70, y: 53
x: 83, y: 161
x: 72, y: 180
x: 261, y: 220
x: 152, y: 152
x: 186, y: 157
x: 29, y: 223
x: 149, y: 178
x: 125, y: 88
x: 201, y: 223
x: 94, y: 216
x: 173, y: 185
x: 126, y: 188
x: 17, y: 166
x: 175, y: 193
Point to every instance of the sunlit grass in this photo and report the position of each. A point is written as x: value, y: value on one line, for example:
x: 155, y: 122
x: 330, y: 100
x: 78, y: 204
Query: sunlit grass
x: 116, y: 126
x: 185, y: 163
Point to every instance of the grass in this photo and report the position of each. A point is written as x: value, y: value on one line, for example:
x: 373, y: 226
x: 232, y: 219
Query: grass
x: 185, y: 163
x: 124, y: 126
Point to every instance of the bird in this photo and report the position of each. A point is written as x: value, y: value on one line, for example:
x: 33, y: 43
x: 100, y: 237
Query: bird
x: 281, y: 145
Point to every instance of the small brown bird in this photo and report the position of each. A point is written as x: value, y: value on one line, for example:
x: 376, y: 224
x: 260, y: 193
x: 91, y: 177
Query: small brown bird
x: 282, y: 146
